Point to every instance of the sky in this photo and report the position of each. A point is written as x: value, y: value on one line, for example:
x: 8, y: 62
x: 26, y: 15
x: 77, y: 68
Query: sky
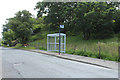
x: 8, y: 8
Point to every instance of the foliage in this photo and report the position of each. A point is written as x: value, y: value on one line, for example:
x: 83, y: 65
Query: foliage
x: 39, y: 25
x: 55, y: 12
x: 90, y: 48
x: 21, y: 25
x: 91, y: 19
x: 117, y: 21
x: 104, y: 56
x: 37, y: 36
x: 20, y: 46
x: 8, y: 37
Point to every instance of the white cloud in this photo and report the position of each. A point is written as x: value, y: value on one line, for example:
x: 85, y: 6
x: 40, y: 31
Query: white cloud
x: 10, y: 7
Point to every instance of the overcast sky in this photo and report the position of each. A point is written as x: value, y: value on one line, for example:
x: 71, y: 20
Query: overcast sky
x: 8, y: 8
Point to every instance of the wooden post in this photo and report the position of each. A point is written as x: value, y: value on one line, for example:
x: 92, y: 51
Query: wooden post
x: 85, y: 48
x: 42, y: 45
x: 99, y: 52
x: 37, y: 45
x: 119, y: 52
x: 74, y: 48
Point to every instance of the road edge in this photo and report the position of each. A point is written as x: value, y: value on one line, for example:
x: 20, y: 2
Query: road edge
x: 68, y: 58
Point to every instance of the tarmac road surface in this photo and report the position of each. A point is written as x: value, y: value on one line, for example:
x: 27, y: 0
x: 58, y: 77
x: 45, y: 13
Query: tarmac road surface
x: 25, y: 64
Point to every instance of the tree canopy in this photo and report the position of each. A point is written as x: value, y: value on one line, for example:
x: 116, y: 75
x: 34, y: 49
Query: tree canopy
x: 20, y: 25
x: 91, y: 20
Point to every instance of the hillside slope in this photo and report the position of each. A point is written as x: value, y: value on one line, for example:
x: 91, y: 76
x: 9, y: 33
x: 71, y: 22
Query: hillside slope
x: 104, y: 49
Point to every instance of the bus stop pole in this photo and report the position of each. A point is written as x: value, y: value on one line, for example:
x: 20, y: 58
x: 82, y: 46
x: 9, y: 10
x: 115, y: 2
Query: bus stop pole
x: 59, y: 40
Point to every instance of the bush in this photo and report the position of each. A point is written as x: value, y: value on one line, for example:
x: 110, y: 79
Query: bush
x: 18, y: 45
x: 70, y: 51
x: 42, y: 48
x: 104, y: 56
x: 36, y: 37
x: 33, y: 38
x: 79, y: 53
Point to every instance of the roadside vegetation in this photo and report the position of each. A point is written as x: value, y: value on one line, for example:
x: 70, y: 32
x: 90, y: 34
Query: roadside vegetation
x: 77, y: 46
x: 92, y: 28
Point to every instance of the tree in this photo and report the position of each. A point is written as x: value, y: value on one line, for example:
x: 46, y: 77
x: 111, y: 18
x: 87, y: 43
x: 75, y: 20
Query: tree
x: 8, y: 36
x: 117, y: 22
x: 54, y: 13
x: 39, y: 25
x: 21, y: 25
x: 94, y: 19
x: 91, y: 19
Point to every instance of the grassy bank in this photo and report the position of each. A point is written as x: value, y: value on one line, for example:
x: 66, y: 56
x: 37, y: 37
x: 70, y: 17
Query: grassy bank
x: 105, y: 49
x: 20, y: 46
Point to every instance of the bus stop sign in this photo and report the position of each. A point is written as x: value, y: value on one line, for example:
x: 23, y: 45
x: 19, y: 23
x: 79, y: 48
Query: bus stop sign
x: 61, y: 26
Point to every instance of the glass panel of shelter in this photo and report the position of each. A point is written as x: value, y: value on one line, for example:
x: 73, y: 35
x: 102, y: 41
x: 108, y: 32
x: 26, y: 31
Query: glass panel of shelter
x: 53, y: 43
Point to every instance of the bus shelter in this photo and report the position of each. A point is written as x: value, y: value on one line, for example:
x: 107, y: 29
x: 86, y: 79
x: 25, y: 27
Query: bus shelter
x: 53, y: 42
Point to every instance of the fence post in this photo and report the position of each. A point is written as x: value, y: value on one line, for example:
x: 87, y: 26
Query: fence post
x: 74, y: 48
x: 99, y: 52
x: 45, y: 46
x: 85, y: 48
x: 42, y: 45
x: 38, y: 46
x: 34, y: 44
x: 119, y: 52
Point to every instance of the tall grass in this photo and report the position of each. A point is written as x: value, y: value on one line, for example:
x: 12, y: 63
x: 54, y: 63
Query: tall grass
x: 76, y: 45
x: 108, y: 47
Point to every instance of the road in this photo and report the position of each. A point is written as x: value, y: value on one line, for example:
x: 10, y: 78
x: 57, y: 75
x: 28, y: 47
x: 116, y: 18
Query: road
x: 26, y: 64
